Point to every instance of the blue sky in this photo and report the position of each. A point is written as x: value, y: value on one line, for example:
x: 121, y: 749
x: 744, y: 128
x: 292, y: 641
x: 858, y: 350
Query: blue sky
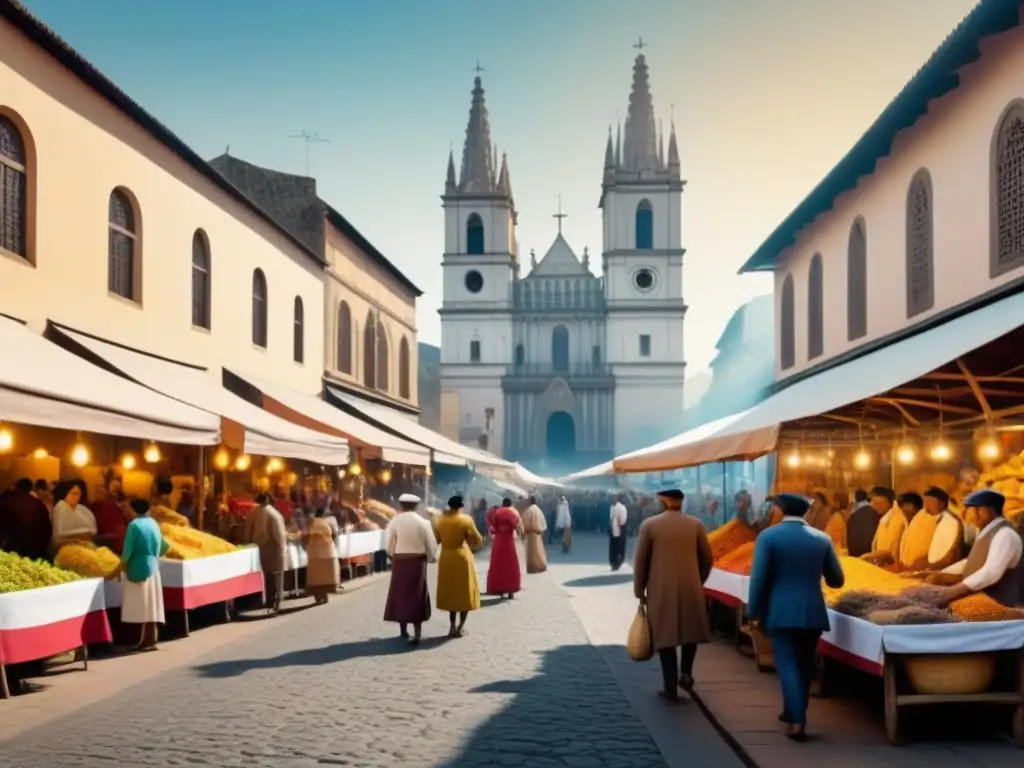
x: 767, y: 97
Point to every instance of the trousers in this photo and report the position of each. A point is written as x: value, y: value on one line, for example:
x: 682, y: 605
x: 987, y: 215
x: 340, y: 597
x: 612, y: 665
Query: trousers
x: 793, y: 650
x: 672, y: 667
x: 616, y: 551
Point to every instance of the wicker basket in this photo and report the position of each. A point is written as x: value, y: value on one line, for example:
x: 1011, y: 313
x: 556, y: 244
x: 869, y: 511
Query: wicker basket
x: 952, y: 674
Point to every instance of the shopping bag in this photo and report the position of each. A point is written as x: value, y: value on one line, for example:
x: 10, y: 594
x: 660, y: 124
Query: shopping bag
x: 639, y: 642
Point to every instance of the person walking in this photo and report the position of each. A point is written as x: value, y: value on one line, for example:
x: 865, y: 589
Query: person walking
x: 142, y: 600
x: 790, y: 560
x: 265, y: 528
x: 503, y: 574
x: 458, y: 589
x: 618, y: 519
x: 411, y: 544
x: 323, y: 572
x: 534, y: 526
x: 563, y: 522
x: 671, y: 563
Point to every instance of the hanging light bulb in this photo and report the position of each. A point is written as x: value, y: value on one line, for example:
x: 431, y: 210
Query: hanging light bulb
x: 40, y: 453
x: 221, y: 459
x: 940, y: 451
x: 80, y: 455
x: 862, y: 459
x: 793, y: 460
x: 385, y: 476
x: 989, y: 449
x: 152, y: 454
x: 342, y: 472
x: 428, y: 471
x: 128, y: 462
x: 354, y: 469
x: 906, y: 454
x: 274, y: 465
x: 6, y: 440
x: 242, y: 462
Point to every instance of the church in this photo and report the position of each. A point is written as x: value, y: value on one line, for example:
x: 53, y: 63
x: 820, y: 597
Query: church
x: 548, y: 363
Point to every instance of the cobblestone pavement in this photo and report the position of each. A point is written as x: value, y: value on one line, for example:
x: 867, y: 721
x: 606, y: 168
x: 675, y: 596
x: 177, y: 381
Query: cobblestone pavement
x: 334, y: 686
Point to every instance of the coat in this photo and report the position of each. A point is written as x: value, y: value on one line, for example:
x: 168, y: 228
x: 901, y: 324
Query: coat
x: 265, y: 528
x: 670, y: 565
x: 790, y: 560
x: 458, y: 588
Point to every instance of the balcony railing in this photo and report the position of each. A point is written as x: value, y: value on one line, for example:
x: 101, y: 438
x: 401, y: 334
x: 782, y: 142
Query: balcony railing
x: 572, y: 370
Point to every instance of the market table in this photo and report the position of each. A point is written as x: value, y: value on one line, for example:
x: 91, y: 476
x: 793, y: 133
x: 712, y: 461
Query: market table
x: 203, y: 581
x: 882, y: 650
x: 295, y: 559
x: 39, y: 623
x: 358, y: 544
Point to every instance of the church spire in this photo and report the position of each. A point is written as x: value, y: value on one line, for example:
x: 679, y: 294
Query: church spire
x: 641, y: 143
x: 618, y: 144
x: 478, y: 171
x: 673, y: 153
x: 609, y: 158
x: 450, y: 186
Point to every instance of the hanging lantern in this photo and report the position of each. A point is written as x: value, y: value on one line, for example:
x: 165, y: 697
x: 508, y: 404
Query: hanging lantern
x: 940, y: 451
x: 862, y: 460
x: 243, y: 462
x: 6, y: 440
x: 128, y: 462
x: 152, y: 454
x: 80, y: 455
x: 221, y: 459
x: 40, y: 453
x: 906, y: 454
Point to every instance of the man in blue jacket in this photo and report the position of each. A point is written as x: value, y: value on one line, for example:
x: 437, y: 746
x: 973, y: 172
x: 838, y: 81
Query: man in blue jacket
x: 790, y: 560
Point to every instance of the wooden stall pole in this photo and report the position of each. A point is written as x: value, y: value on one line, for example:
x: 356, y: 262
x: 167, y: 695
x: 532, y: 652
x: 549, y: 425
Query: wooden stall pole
x: 199, y: 491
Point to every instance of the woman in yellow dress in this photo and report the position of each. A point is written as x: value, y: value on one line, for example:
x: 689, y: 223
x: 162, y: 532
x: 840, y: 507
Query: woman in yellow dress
x: 458, y: 590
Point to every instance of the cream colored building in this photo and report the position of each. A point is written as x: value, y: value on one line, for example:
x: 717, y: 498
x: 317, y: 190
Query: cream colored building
x: 110, y: 225
x: 369, y: 323
x: 923, y: 218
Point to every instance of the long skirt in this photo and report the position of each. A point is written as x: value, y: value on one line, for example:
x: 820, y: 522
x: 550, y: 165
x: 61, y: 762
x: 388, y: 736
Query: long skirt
x: 408, y: 596
x: 503, y: 575
x: 536, y: 555
x: 322, y: 576
x: 458, y: 589
x: 143, y: 601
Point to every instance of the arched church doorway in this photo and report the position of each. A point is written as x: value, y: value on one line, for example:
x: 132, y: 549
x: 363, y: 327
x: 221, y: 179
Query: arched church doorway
x: 561, y: 435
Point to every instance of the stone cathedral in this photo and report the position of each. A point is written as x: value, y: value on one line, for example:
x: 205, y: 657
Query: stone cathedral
x: 546, y: 362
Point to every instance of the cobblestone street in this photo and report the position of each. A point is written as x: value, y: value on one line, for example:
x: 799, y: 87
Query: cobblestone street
x: 334, y: 686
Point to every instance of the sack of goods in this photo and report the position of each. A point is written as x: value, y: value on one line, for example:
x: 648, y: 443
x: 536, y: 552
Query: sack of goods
x: 639, y: 642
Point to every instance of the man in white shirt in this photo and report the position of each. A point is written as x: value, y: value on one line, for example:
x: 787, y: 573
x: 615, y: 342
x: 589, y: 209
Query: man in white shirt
x: 411, y: 544
x: 617, y: 521
x: 994, y: 565
x: 563, y: 523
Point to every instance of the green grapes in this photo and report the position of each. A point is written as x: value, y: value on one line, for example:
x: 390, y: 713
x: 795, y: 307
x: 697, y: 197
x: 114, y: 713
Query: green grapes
x: 19, y: 573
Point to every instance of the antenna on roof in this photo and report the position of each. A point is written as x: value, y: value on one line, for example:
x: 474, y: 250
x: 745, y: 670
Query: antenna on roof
x: 310, y: 138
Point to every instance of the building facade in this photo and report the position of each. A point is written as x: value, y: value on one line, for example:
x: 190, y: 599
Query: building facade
x: 923, y: 217
x: 552, y: 365
x: 110, y: 225
x: 369, y: 307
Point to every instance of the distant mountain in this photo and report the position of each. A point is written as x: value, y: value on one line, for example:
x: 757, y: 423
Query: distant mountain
x: 430, y: 386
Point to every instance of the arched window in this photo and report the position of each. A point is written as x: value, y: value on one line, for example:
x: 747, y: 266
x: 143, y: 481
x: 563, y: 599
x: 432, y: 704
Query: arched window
x: 13, y: 190
x: 344, y: 338
x: 404, y: 389
x: 644, y: 226
x: 298, y: 333
x: 370, y: 351
x: 520, y: 355
x: 560, y: 349
x: 920, y: 255
x: 259, y: 309
x: 200, y: 280
x: 474, y: 234
x: 383, y: 367
x: 815, y: 309
x: 787, y: 325
x: 857, y: 282
x: 1007, y: 208
x: 122, y: 246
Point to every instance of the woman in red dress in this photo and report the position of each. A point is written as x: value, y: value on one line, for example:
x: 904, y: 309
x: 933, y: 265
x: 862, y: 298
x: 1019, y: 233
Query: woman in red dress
x: 503, y: 576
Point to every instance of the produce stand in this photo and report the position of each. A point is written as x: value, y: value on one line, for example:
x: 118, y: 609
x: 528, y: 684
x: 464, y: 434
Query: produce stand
x: 203, y: 581
x: 355, y: 547
x: 39, y: 623
x: 295, y: 559
x: 884, y: 651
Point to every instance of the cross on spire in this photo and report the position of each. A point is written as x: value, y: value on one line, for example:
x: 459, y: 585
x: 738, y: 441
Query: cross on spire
x: 478, y: 69
x: 560, y: 215
x: 640, y: 45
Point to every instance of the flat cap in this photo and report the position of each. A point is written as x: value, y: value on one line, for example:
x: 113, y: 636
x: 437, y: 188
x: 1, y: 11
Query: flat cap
x: 791, y: 504
x: 673, y: 494
x: 986, y: 498
x: 409, y: 498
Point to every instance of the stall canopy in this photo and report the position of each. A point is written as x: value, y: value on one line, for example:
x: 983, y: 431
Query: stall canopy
x: 756, y: 431
x: 46, y: 386
x: 264, y: 433
x: 446, y: 451
x: 311, y: 411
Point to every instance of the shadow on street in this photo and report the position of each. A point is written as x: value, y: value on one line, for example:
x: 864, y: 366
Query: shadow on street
x: 311, y: 657
x: 605, y: 580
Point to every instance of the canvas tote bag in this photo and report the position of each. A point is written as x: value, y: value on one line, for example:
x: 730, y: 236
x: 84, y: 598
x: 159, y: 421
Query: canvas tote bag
x: 639, y: 642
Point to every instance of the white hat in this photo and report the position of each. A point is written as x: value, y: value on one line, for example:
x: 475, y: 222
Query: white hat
x: 408, y: 498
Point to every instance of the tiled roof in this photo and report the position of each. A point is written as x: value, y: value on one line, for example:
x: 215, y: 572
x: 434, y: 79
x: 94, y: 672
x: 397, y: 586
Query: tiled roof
x: 935, y: 79
x: 44, y: 37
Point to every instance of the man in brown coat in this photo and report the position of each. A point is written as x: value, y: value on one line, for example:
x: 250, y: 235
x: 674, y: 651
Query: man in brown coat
x: 671, y: 563
x: 266, y: 529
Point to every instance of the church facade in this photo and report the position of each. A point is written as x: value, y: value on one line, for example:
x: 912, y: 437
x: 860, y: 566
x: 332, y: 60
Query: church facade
x: 547, y: 363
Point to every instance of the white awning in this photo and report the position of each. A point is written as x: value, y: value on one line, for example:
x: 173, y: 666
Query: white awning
x: 446, y: 451
x: 46, y: 386
x: 598, y: 470
x: 265, y: 433
x: 756, y: 431
x: 379, y: 443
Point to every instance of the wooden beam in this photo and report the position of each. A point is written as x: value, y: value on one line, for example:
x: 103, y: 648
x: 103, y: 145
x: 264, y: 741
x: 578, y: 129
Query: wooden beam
x: 975, y: 387
x: 923, y: 404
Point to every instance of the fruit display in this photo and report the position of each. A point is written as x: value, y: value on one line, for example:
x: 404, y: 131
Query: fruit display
x: 740, y: 560
x: 733, y: 534
x: 18, y: 574
x: 190, y: 544
x: 862, y: 576
x: 167, y: 515
x: 87, y: 560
